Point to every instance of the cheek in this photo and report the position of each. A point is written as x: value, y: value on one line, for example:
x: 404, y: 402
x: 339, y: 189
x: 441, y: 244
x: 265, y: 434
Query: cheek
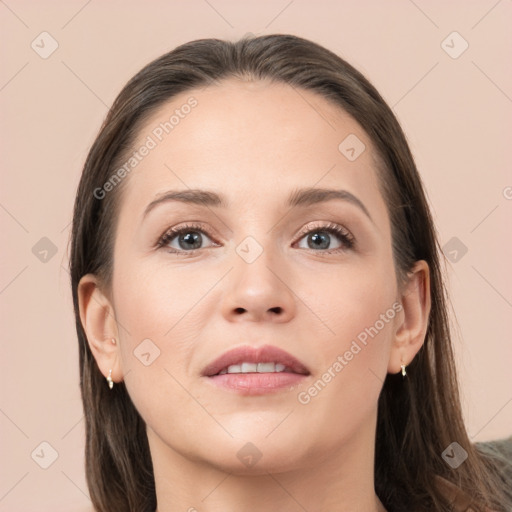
x: 159, y: 318
x: 360, y: 310
x: 344, y: 394
x: 353, y: 299
x: 156, y: 302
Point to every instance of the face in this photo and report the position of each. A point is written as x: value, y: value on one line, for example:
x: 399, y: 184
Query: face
x: 313, y: 278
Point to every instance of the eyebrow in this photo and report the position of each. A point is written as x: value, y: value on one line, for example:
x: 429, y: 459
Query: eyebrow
x: 302, y: 197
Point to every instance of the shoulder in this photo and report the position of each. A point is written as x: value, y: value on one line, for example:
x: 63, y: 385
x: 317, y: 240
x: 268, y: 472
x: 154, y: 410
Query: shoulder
x: 500, y: 450
x: 500, y: 446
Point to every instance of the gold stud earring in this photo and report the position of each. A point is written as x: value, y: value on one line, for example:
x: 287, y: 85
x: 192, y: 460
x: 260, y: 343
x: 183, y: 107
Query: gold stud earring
x: 109, y: 379
x: 404, y: 373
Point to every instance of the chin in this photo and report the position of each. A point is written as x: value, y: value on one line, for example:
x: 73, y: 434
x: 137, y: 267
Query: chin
x: 258, y: 452
x: 252, y: 463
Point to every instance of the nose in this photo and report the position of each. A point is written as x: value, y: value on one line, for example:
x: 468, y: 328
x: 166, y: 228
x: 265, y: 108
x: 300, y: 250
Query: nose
x: 261, y: 290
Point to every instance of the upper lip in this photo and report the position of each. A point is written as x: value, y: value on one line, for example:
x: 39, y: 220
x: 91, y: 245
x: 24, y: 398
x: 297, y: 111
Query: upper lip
x: 248, y: 354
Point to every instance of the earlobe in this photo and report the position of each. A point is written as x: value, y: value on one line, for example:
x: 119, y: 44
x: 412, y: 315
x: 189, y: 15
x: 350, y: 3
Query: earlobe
x: 99, y: 324
x: 410, y: 333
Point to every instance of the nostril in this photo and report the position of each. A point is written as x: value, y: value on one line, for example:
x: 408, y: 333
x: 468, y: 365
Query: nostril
x: 277, y: 309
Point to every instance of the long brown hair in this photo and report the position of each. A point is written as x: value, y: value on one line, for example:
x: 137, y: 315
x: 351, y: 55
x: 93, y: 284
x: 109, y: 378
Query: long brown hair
x: 418, y: 418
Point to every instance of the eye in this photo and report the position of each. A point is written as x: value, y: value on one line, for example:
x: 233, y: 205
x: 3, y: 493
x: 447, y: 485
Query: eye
x: 187, y: 239
x: 320, y: 238
x: 183, y: 239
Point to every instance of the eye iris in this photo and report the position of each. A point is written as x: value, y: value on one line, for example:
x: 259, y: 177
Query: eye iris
x: 322, y: 239
x: 190, y: 237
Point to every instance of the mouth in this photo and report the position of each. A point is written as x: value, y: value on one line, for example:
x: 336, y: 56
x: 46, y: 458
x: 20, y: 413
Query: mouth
x: 251, y: 371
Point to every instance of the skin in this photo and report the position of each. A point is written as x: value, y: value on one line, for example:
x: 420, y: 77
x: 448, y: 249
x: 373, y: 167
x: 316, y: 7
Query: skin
x: 255, y: 143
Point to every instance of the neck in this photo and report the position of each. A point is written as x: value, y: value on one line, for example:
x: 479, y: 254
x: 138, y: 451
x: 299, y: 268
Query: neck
x: 339, y: 480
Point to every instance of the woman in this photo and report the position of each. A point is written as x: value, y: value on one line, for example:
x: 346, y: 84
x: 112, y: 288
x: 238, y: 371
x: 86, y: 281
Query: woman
x: 255, y: 274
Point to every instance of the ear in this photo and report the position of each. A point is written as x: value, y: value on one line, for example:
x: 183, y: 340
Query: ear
x: 413, y: 322
x: 100, y: 326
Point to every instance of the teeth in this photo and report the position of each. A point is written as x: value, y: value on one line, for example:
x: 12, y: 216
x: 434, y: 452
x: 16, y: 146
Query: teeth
x: 249, y: 367
x: 254, y: 368
x: 266, y: 367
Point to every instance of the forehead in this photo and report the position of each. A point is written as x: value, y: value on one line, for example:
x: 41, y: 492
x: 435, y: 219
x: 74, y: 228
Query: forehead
x: 251, y: 140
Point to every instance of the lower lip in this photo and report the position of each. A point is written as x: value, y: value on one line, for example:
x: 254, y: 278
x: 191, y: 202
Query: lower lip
x: 257, y: 383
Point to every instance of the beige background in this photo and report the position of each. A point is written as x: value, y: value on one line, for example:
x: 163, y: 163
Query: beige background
x: 455, y: 111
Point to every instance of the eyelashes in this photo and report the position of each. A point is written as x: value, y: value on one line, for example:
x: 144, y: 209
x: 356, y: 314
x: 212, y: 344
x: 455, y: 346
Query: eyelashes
x: 347, y: 240
x: 172, y: 233
x: 181, y: 233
